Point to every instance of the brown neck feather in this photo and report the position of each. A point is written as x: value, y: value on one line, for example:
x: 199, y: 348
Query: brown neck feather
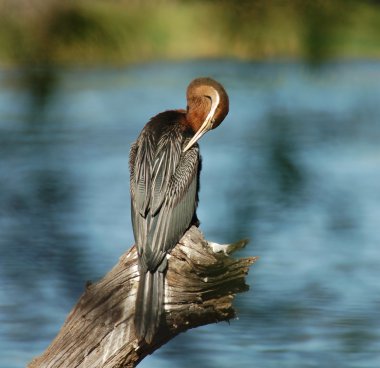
x: 197, y: 109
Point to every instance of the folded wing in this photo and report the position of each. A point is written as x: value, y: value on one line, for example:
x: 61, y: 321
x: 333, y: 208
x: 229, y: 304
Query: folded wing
x: 163, y: 192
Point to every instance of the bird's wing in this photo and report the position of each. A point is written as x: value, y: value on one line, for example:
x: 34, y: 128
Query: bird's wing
x: 141, y: 158
x: 164, y: 191
x: 138, y: 196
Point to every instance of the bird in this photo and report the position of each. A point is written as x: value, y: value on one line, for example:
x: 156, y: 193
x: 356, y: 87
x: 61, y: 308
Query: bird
x: 165, y: 166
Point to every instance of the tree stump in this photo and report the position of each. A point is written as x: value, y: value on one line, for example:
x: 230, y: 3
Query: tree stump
x: 201, y: 283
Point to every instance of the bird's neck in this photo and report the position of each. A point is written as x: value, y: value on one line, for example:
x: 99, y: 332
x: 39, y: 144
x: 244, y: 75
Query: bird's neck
x: 198, y: 109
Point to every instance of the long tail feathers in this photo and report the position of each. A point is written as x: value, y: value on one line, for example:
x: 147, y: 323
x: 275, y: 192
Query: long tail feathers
x: 149, y: 304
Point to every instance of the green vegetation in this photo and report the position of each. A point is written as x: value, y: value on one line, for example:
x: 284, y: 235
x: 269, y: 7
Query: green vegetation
x: 40, y: 32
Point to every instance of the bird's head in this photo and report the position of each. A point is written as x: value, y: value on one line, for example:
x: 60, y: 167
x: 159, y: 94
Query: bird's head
x: 207, y: 106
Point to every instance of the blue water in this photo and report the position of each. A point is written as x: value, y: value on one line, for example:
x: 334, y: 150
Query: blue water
x: 295, y: 167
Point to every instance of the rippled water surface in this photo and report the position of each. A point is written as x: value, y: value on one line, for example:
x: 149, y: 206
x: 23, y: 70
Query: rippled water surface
x: 295, y: 167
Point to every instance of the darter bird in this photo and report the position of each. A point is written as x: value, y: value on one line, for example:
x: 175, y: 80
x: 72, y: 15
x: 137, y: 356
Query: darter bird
x: 164, y: 182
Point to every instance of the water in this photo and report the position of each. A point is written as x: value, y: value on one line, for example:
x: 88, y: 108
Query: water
x: 295, y: 167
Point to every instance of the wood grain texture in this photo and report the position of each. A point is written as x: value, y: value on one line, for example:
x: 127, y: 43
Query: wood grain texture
x: 99, y: 332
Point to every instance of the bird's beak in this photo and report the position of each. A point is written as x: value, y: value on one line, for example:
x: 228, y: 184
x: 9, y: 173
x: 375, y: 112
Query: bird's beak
x: 205, y: 127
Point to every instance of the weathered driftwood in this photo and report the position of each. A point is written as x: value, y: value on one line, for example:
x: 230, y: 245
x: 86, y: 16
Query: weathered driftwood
x: 201, y: 282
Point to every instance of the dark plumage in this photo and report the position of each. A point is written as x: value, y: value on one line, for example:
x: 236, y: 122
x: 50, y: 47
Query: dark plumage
x: 164, y: 166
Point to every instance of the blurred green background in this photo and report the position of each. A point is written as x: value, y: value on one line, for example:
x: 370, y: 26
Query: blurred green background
x: 41, y: 32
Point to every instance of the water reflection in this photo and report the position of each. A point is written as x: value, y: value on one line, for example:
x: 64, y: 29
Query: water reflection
x: 288, y: 175
x: 42, y: 259
x: 294, y: 167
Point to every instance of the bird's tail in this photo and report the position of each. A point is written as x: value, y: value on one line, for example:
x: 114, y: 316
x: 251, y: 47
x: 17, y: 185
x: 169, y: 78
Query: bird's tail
x: 149, y: 304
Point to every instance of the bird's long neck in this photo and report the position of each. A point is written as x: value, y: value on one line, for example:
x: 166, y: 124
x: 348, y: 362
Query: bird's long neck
x: 197, y: 111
